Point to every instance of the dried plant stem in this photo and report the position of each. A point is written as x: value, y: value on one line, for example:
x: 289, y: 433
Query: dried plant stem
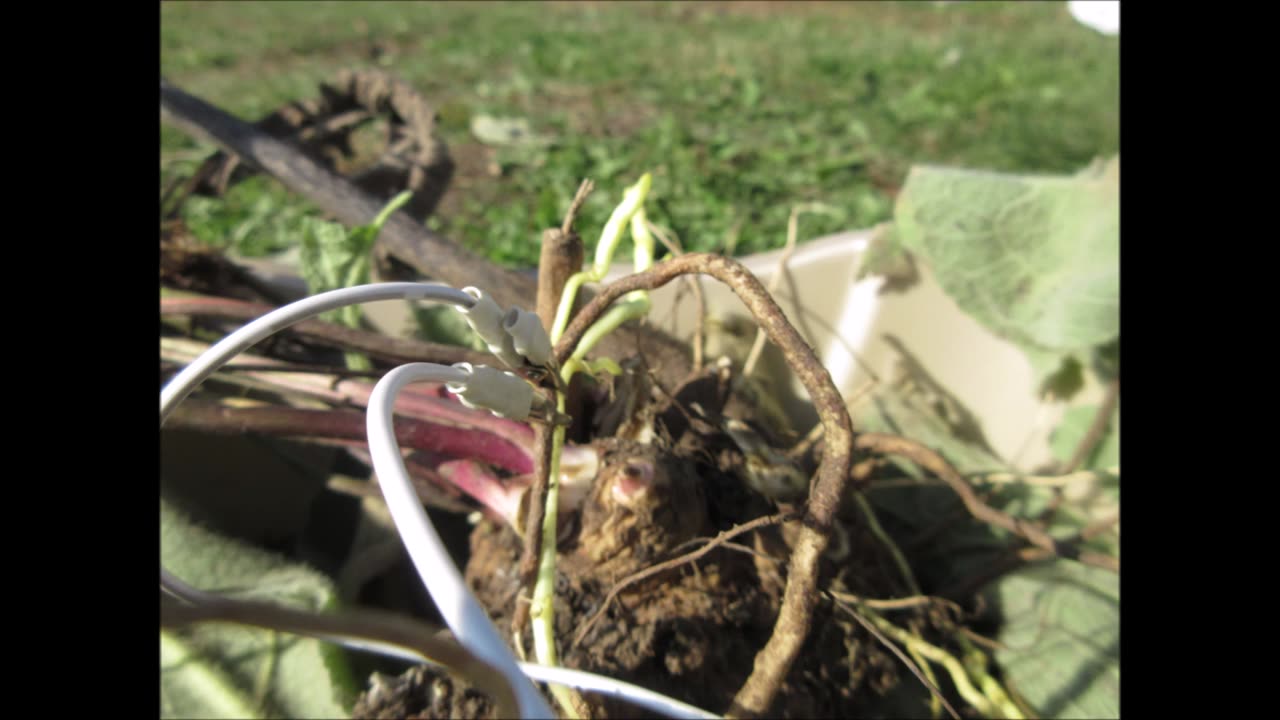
x: 579, y: 197
x: 672, y: 243
x: 535, y: 507
x: 561, y: 256
x: 938, y: 465
x: 801, y: 595
x: 404, y: 236
x: 789, y: 249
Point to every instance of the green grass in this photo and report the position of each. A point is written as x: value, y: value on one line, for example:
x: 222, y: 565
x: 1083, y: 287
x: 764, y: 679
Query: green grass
x: 739, y: 110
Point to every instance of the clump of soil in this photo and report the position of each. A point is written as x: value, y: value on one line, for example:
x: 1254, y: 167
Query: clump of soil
x: 691, y: 632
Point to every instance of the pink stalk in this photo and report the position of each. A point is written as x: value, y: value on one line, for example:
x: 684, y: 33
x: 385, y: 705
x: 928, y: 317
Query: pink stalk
x: 421, y: 401
x: 462, y: 442
x: 454, y: 442
x: 475, y: 480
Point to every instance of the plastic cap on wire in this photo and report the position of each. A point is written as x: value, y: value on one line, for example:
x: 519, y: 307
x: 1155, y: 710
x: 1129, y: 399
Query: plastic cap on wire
x: 528, y: 335
x: 486, y: 319
x: 497, y: 391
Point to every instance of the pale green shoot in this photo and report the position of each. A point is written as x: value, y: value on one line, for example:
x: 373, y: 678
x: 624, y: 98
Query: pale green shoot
x: 632, y: 201
x: 634, y: 305
x: 542, y: 609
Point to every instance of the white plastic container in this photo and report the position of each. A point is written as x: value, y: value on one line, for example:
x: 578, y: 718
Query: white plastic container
x: 860, y: 332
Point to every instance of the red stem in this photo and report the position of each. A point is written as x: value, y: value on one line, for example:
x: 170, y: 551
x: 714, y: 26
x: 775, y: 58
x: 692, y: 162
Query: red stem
x: 475, y: 480
x: 420, y: 434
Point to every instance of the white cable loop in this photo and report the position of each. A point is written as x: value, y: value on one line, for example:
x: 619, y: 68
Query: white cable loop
x: 459, y: 608
x: 255, y: 332
x: 469, y: 622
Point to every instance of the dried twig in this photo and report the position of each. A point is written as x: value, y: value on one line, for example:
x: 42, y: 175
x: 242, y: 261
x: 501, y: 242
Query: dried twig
x: 535, y: 509
x: 578, y: 198
x: 676, y: 562
x: 672, y: 243
x: 561, y: 256
x: 788, y: 250
x: 402, y: 236
x: 938, y: 465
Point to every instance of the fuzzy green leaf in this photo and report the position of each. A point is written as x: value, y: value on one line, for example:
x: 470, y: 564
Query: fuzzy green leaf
x: 220, y: 670
x: 1071, y: 431
x: 1035, y: 259
x: 1062, y: 638
x: 331, y: 257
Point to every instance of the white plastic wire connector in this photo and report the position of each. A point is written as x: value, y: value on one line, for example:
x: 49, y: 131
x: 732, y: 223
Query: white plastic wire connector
x: 486, y: 319
x: 497, y: 391
x: 528, y: 335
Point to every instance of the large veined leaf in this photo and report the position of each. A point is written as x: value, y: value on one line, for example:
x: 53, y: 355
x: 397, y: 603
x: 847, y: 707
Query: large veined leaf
x: 1075, y: 425
x: 1036, y: 261
x: 219, y: 670
x: 1033, y: 258
x: 1061, y: 638
x: 1060, y: 620
x: 1060, y: 633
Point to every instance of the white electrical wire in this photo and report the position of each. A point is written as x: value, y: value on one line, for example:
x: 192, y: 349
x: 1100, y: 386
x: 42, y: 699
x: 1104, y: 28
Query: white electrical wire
x: 459, y: 608
x: 419, y: 535
x: 615, y: 688
x: 255, y: 332
x: 463, y: 613
x: 579, y: 679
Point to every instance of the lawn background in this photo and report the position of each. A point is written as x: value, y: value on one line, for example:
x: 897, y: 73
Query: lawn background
x: 741, y: 110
